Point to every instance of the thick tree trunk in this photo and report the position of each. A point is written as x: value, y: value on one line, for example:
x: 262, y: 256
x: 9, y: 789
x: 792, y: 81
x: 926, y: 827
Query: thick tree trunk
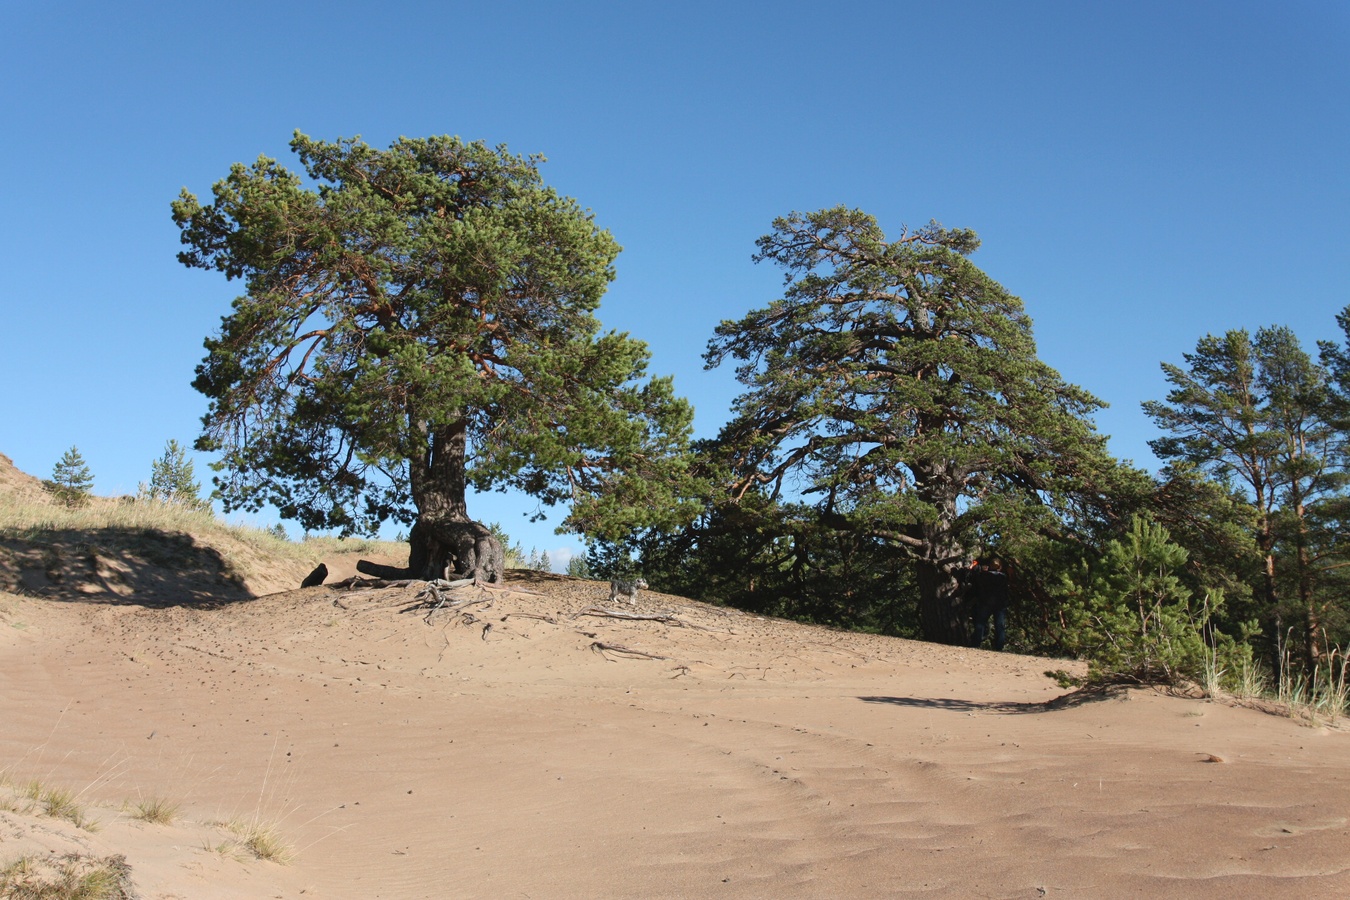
x: 444, y: 539
x: 943, y: 617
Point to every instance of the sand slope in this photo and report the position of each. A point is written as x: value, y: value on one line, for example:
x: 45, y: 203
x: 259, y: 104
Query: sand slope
x: 503, y: 753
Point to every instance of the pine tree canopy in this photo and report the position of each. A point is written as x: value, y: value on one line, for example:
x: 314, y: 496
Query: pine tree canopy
x: 1261, y: 416
x: 416, y: 320
x: 898, y: 385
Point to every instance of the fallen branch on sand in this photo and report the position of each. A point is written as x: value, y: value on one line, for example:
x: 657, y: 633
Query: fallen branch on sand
x: 549, y: 619
x: 602, y: 648
x: 663, y: 618
x: 357, y: 583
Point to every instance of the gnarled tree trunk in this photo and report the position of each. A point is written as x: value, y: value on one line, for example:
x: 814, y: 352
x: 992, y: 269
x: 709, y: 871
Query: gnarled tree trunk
x: 444, y: 539
x: 943, y: 617
x: 438, y: 549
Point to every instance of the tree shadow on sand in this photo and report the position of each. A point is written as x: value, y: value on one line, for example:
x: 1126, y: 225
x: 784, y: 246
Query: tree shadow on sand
x: 1080, y: 697
x: 119, y: 566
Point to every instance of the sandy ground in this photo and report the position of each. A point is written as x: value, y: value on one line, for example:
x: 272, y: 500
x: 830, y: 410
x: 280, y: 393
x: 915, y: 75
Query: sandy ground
x: 526, y: 746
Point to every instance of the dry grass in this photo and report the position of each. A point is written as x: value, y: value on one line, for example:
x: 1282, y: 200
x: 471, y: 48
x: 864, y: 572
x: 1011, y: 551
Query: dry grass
x: 257, y: 838
x: 69, y: 877
x: 36, y: 797
x: 155, y: 810
x: 244, y: 550
x: 1321, y: 696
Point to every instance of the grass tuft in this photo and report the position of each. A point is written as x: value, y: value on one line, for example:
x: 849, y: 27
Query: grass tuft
x: 155, y: 810
x: 261, y: 839
x: 69, y: 877
x: 1321, y: 695
x: 59, y: 803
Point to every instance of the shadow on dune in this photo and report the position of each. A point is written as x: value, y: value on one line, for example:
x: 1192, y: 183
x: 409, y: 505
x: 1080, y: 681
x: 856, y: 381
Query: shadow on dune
x: 1092, y: 694
x: 119, y: 566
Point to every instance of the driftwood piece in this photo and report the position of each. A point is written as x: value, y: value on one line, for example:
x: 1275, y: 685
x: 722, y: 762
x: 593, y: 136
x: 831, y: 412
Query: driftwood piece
x: 378, y: 570
x: 519, y: 615
x: 357, y: 583
x: 663, y: 618
x: 506, y: 589
x: 602, y: 648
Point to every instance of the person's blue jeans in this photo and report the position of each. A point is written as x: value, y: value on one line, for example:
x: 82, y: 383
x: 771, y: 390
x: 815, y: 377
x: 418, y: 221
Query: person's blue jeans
x: 1000, y: 627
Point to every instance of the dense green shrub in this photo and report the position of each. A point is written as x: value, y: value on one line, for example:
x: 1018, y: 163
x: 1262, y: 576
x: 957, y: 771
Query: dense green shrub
x: 1129, y: 614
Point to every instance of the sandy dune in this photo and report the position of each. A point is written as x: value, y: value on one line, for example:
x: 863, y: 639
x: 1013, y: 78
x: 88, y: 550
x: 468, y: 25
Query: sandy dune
x: 507, y: 753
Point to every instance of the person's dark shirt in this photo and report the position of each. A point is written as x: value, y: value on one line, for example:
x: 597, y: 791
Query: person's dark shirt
x: 993, y: 589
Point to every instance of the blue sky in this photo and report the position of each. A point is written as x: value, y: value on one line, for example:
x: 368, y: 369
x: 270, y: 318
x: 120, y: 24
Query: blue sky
x: 1141, y: 173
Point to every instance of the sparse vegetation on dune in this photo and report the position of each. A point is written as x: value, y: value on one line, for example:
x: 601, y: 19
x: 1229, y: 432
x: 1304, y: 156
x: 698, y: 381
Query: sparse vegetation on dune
x: 154, y: 810
x: 108, y: 544
x: 68, y: 877
x: 57, y: 874
x: 1319, y: 694
x: 36, y: 797
x: 30, y: 517
x: 260, y: 839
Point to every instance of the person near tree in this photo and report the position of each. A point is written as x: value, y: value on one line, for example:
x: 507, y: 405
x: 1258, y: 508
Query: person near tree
x: 991, y: 593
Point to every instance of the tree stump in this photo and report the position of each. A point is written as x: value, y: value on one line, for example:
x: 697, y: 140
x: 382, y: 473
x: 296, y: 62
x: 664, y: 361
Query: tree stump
x: 315, y: 578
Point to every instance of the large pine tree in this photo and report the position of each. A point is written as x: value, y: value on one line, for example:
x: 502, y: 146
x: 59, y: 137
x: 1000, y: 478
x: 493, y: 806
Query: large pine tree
x: 416, y: 321
x: 896, y: 388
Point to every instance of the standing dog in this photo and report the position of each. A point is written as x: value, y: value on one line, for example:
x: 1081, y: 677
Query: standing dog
x: 628, y: 589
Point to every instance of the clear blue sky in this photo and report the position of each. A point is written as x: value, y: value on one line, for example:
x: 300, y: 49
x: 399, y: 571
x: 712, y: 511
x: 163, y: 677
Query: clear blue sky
x: 1141, y: 173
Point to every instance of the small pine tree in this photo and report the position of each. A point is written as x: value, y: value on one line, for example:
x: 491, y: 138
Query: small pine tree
x: 515, y: 556
x: 538, y: 561
x: 171, y: 479
x: 577, y: 567
x: 72, y: 483
x: 1131, y: 616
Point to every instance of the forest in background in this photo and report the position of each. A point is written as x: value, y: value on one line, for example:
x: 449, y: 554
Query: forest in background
x: 1229, y: 565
